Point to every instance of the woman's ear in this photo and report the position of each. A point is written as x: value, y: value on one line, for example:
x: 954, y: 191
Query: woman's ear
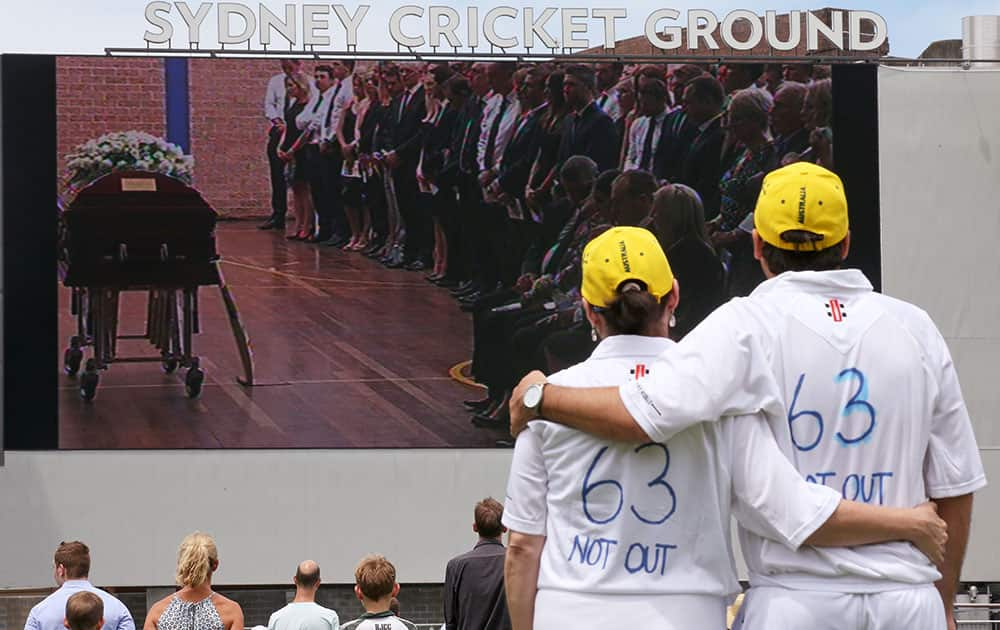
x: 592, y: 317
x: 674, y: 297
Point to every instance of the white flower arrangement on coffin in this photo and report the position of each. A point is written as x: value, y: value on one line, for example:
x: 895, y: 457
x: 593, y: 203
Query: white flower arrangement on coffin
x: 125, y: 151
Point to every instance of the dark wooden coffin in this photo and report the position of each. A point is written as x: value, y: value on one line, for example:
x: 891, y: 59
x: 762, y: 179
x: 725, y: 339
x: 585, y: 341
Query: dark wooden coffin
x: 137, y: 230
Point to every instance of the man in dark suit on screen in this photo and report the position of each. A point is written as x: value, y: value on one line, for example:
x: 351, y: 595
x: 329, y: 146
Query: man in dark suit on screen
x: 589, y: 131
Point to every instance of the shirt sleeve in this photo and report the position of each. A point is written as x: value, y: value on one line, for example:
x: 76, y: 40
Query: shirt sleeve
x: 31, y: 623
x: 484, y: 130
x: 525, y: 510
x: 719, y: 369
x: 632, y: 157
x: 125, y: 621
x: 450, y: 598
x: 952, y: 465
x: 272, y: 101
x: 769, y: 496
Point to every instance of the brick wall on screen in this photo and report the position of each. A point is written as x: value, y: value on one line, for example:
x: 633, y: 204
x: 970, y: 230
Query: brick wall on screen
x: 95, y: 95
x: 228, y: 133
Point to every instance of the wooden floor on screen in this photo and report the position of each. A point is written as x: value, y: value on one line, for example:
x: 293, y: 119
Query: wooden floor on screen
x: 348, y: 354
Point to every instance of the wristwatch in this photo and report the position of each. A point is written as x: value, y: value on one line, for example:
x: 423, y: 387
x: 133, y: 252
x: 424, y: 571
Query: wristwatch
x: 533, y: 398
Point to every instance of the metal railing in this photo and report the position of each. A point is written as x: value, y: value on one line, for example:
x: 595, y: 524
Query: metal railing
x: 963, y: 612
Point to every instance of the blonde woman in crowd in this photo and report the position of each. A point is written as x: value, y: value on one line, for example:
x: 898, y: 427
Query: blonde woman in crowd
x: 194, y: 606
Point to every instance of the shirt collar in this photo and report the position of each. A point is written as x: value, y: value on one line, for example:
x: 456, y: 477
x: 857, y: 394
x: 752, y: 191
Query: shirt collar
x: 841, y: 281
x: 708, y: 123
x: 81, y: 583
x: 659, y: 117
x: 624, y: 346
x: 378, y: 615
x: 532, y: 112
x: 487, y: 541
x: 413, y: 90
x: 592, y: 105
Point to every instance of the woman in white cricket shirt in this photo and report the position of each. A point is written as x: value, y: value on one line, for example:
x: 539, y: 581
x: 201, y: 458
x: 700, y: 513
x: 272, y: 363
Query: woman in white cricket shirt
x: 606, y: 533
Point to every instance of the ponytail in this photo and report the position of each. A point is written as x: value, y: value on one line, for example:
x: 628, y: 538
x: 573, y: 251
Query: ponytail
x: 633, y: 311
x: 196, y: 559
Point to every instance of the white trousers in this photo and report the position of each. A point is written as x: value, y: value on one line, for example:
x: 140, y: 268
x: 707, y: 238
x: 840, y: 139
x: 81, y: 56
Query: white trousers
x: 771, y: 608
x: 559, y: 610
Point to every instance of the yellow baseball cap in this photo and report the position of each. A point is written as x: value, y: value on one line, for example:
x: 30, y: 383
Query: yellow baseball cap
x: 619, y: 255
x: 801, y: 196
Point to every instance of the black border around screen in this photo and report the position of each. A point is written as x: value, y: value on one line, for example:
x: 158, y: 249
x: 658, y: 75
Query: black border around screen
x: 31, y: 408
x: 29, y: 146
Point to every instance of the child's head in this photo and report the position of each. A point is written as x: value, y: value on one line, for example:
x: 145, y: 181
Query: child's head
x: 376, y: 578
x: 84, y: 611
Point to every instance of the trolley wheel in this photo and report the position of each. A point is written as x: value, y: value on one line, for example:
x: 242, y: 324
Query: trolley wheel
x: 193, y: 381
x: 89, y: 381
x: 72, y: 359
x: 169, y: 365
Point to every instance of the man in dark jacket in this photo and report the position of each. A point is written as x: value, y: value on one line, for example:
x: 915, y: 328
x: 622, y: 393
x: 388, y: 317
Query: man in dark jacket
x: 406, y: 111
x: 589, y: 131
x: 474, y: 596
x: 702, y: 168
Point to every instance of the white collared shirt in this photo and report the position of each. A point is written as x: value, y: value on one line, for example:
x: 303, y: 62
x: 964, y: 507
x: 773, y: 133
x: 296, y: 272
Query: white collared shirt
x: 343, y: 96
x: 624, y: 519
x: 637, y: 140
x: 608, y: 102
x: 859, y: 390
x: 49, y: 613
x: 505, y: 131
x: 310, y: 119
x: 274, y: 98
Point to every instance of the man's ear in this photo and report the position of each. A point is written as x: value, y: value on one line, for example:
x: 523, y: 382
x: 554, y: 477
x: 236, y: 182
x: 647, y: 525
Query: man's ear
x: 758, y: 246
x: 357, y: 592
x: 66, y: 623
x: 395, y: 589
x: 846, y: 246
x: 475, y: 528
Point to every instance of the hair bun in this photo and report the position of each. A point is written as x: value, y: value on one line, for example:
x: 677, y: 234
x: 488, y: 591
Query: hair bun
x: 631, y: 286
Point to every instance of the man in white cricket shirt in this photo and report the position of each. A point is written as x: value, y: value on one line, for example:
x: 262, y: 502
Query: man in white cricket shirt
x: 859, y: 390
x: 607, y: 532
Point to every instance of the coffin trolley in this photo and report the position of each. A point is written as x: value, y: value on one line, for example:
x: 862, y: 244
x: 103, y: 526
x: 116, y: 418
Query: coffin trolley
x: 138, y: 231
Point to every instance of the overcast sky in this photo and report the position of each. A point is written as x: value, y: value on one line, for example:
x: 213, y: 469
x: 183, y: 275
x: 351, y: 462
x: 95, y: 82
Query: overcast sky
x: 87, y: 26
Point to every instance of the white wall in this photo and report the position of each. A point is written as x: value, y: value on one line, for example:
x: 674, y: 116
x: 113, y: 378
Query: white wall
x: 939, y: 154
x: 268, y: 509
x: 940, y: 186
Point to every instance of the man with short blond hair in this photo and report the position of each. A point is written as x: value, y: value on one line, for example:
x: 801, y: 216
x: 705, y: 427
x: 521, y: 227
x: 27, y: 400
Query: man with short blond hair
x: 375, y: 586
x: 473, y: 582
x: 303, y: 613
x: 71, y: 570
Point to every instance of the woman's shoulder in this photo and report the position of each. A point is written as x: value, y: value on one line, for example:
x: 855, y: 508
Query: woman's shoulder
x: 157, y: 609
x: 222, y: 602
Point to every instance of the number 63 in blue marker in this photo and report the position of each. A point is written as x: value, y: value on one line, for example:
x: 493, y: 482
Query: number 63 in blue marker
x: 858, y: 403
x: 658, y: 481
